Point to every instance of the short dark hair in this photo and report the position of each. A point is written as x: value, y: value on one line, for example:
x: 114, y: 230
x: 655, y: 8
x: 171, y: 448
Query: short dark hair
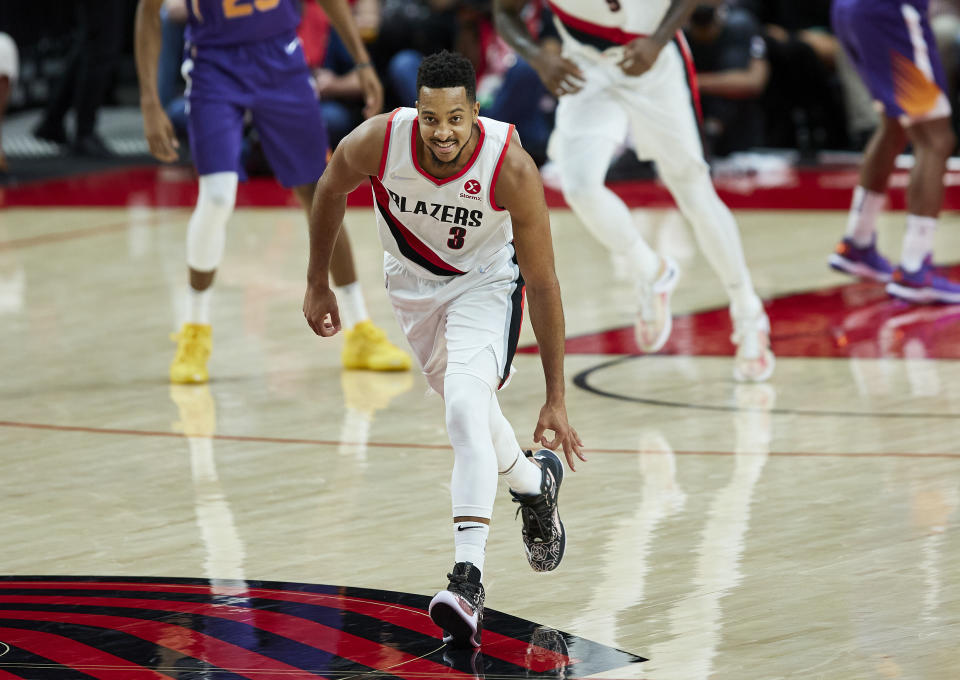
x: 448, y: 69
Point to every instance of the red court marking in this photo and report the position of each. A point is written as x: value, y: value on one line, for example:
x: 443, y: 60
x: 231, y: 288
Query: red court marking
x: 76, y: 655
x: 183, y: 640
x: 440, y: 447
x: 788, y: 189
x: 857, y: 320
x: 310, y: 633
x: 494, y: 644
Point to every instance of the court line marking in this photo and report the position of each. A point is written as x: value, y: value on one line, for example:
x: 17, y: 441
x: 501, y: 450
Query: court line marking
x: 446, y: 447
x: 581, y: 380
x: 84, y: 232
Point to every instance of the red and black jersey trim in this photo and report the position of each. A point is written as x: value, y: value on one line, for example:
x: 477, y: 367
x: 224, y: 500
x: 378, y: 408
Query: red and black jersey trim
x: 592, y: 34
x: 517, y: 300
x: 409, y: 245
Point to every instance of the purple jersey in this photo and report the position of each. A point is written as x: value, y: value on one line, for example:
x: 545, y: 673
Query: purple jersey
x: 891, y: 45
x: 234, y: 22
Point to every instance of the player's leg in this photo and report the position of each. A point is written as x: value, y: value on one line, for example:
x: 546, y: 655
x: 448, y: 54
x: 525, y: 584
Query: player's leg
x: 908, y: 79
x: 215, y: 131
x: 534, y: 478
x: 479, y: 324
x: 861, y: 33
x: 857, y: 253
x: 933, y: 141
x: 668, y: 133
x: 295, y: 143
x: 590, y: 126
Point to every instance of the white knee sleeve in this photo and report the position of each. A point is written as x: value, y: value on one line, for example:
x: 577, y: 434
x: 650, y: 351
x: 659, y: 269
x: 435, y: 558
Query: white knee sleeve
x: 9, y: 57
x: 473, y: 485
x: 207, y: 232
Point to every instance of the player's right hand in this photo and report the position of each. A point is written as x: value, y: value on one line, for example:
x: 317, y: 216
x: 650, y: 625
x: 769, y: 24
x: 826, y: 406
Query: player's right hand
x: 553, y: 417
x: 158, y: 130
x: 321, y: 311
x: 559, y: 75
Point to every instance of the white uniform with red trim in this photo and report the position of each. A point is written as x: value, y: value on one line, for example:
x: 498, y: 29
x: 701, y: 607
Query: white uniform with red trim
x: 657, y: 108
x: 449, y: 261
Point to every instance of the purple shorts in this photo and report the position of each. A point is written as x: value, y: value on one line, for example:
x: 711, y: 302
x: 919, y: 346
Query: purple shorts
x: 892, y: 47
x: 271, y: 80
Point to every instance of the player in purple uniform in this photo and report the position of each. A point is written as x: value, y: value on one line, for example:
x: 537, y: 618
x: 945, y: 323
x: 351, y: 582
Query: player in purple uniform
x: 892, y: 47
x: 240, y: 56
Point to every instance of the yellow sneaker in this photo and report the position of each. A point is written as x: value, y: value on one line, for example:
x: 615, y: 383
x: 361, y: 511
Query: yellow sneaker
x: 366, y: 347
x: 198, y: 411
x: 194, y: 342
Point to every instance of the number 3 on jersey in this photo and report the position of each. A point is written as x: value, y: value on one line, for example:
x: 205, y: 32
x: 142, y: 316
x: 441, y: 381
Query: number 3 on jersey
x: 456, y: 237
x: 233, y: 9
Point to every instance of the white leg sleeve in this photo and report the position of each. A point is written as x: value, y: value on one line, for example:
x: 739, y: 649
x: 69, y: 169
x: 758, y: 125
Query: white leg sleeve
x: 717, y: 234
x: 207, y: 232
x: 473, y: 486
x: 583, y: 169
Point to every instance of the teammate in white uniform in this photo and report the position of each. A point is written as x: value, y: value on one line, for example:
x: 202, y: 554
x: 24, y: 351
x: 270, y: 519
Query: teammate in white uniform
x: 465, y: 227
x: 621, y: 70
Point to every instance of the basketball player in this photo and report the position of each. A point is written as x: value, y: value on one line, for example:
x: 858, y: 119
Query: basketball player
x: 464, y: 224
x: 244, y: 55
x: 621, y: 69
x: 891, y: 45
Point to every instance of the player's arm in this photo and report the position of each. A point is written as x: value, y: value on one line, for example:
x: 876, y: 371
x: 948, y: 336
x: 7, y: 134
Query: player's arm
x: 346, y: 27
x: 147, y: 38
x: 559, y: 75
x: 639, y: 55
x: 518, y: 189
x: 356, y: 158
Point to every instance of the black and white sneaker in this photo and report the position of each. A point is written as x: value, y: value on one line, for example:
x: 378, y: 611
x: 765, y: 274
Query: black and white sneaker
x: 458, y: 610
x: 543, y: 535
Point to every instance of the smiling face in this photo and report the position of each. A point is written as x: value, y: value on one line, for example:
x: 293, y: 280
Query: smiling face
x: 447, y: 118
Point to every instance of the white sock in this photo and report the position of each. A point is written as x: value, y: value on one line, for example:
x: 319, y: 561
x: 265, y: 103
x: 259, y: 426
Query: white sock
x: 862, y: 220
x: 918, y: 241
x: 470, y: 542
x: 198, y: 305
x: 523, y: 475
x: 353, y: 309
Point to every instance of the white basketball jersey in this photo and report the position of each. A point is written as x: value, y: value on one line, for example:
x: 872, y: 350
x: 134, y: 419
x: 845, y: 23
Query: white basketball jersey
x: 616, y: 22
x: 440, y: 227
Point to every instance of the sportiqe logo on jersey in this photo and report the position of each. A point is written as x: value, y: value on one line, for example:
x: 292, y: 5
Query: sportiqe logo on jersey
x: 452, y: 214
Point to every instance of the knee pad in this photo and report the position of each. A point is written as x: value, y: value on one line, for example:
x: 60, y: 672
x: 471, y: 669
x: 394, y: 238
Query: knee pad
x: 207, y: 232
x: 9, y: 57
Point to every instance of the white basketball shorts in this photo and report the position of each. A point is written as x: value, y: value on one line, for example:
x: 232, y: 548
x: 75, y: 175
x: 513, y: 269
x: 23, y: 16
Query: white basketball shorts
x: 449, y: 322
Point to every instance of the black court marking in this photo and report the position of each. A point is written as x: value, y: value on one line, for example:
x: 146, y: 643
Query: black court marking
x: 582, y: 380
x: 193, y: 629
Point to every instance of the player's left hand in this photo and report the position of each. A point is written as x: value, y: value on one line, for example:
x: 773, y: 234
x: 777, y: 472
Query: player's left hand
x: 554, y: 417
x: 372, y: 91
x: 639, y: 56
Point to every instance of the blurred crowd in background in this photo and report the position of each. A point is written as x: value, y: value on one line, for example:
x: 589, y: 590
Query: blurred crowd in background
x: 771, y: 75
